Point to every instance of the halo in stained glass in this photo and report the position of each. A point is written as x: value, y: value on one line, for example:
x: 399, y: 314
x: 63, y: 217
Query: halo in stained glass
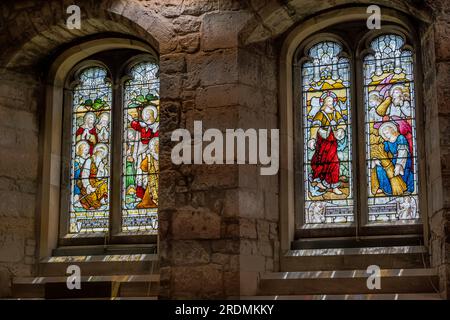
x: 140, y: 171
x: 326, y: 125
x: 390, y: 129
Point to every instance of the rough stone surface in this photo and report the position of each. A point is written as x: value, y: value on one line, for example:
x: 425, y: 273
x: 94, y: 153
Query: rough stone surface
x: 219, y: 62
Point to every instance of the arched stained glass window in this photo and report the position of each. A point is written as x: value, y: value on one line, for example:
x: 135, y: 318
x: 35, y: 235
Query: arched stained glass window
x: 327, y: 147
x: 140, y: 180
x: 91, y: 145
x: 391, y: 150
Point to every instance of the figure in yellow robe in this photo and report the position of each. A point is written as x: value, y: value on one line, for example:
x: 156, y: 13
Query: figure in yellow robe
x: 150, y: 165
x: 93, y: 182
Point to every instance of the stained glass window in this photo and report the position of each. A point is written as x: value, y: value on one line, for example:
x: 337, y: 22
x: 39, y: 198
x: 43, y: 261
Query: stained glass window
x: 140, y: 179
x: 390, y: 129
x: 90, y: 164
x: 327, y: 147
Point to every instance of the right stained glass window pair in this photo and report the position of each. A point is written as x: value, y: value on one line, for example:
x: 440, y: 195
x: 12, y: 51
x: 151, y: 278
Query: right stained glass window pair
x: 389, y: 126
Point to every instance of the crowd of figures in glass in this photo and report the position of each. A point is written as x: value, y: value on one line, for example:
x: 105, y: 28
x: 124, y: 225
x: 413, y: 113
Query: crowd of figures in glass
x: 327, y: 135
x: 90, y: 169
x: 141, y: 150
x: 390, y: 130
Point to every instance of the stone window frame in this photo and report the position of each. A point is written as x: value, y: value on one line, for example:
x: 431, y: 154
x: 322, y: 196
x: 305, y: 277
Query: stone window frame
x: 311, y: 30
x: 49, y: 213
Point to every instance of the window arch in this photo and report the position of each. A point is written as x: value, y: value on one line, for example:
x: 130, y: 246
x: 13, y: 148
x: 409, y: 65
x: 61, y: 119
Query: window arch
x: 356, y: 135
x: 111, y: 187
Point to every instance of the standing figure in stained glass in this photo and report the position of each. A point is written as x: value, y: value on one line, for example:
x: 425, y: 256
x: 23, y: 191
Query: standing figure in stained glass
x: 147, y: 129
x: 81, y: 154
x: 150, y: 166
x: 130, y: 170
x: 87, y: 131
x: 103, y: 127
x: 328, y: 128
x: 94, y: 182
x: 394, y: 173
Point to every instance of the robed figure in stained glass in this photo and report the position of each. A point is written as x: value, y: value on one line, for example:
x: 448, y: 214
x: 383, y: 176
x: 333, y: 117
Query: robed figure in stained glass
x: 328, y: 128
x: 390, y: 130
x: 140, y: 165
x: 150, y: 166
x: 395, y: 175
x: 147, y: 128
x: 87, y: 131
x: 93, y: 183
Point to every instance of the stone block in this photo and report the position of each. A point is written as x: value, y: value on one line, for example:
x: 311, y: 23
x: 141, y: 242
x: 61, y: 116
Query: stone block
x: 11, y: 247
x: 251, y: 203
x: 220, y: 30
x: 442, y: 39
x: 231, y: 283
x: 195, y: 224
x: 263, y: 228
x: 220, y: 258
x: 186, y: 24
x: 197, y: 281
x: 252, y: 263
x: 189, y: 43
x: 247, y: 228
x: 5, y: 282
x: 198, y: 7
x: 226, y: 246
x: 216, y: 96
x: 187, y: 252
x: 172, y: 63
x: 170, y: 86
x: 215, y: 68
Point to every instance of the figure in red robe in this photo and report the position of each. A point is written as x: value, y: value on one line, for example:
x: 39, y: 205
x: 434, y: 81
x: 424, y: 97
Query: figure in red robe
x: 147, y: 129
x: 328, y: 128
x: 87, y: 131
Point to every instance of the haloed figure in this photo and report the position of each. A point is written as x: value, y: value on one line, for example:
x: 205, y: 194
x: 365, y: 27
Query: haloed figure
x: 399, y: 163
x: 103, y: 127
x: 147, y: 129
x: 81, y: 154
x: 94, y: 179
x: 150, y: 166
x: 87, y: 131
x: 328, y: 128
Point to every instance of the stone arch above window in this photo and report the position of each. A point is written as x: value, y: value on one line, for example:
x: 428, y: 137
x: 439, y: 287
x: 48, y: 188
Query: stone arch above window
x: 300, y: 82
x: 91, y: 82
x: 329, y: 117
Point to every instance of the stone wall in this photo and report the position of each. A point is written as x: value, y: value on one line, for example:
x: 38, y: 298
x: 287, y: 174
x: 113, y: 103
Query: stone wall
x: 436, y: 66
x: 219, y: 63
x: 19, y: 143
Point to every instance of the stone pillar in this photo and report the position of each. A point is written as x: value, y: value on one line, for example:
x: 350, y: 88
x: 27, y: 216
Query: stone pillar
x: 258, y: 194
x: 218, y: 223
x: 436, y: 69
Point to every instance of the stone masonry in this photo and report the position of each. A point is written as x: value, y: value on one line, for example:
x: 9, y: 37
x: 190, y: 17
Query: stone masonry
x: 219, y: 224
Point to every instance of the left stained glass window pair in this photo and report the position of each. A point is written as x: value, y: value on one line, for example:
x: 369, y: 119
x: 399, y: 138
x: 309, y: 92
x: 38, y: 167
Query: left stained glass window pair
x: 91, y: 157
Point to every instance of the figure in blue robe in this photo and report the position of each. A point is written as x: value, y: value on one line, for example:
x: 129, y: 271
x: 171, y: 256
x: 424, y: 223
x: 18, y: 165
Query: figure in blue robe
x: 400, y: 155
